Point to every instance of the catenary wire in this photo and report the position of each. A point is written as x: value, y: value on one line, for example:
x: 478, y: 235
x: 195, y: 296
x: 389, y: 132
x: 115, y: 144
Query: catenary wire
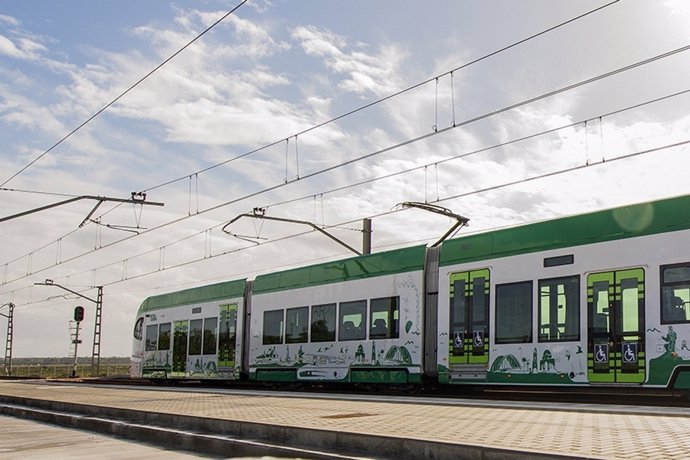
x: 453, y: 197
x: 455, y: 157
x: 390, y: 96
x: 390, y: 148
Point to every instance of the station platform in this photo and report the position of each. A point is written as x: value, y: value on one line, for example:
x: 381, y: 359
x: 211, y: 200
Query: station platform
x: 22, y: 439
x: 400, y: 428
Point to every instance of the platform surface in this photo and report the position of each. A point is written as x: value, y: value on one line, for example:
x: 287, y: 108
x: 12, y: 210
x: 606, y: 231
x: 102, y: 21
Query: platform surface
x: 28, y: 440
x: 576, y: 432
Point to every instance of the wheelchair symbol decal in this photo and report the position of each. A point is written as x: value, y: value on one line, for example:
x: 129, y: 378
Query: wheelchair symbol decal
x: 458, y: 339
x: 601, y: 353
x: 629, y: 352
x: 478, y: 338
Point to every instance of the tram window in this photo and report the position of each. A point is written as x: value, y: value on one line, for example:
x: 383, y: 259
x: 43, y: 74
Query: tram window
x: 151, y: 337
x: 559, y: 309
x: 164, y: 336
x: 296, y: 322
x: 195, y: 335
x: 138, y: 329
x: 601, y: 319
x: 383, y: 318
x: 323, y: 323
x: 210, y: 337
x: 273, y: 327
x: 514, y: 312
x: 675, y: 293
x: 353, y: 317
x: 630, y: 305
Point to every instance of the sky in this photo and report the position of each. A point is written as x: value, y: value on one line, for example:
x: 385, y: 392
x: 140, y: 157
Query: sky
x: 327, y: 112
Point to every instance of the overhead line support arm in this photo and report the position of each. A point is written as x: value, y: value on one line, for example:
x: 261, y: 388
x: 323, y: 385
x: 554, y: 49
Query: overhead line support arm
x: 259, y: 214
x: 100, y: 199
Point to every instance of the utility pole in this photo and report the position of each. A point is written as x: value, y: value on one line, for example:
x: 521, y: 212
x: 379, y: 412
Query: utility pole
x: 366, y: 236
x: 96, y: 354
x: 8, y: 342
x: 78, y: 317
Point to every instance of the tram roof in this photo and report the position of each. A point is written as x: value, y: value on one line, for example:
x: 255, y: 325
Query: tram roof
x: 224, y: 290
x: 371, y: 265
x: 611, y: 224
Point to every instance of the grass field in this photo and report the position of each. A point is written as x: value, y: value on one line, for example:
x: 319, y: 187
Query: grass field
x: 64, y: 367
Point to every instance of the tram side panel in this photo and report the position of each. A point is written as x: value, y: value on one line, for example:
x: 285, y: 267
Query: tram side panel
x: 668, y: 312
x: 200, y: 340
x: 363, y: 331
x: 615, y: 312
x: 511, y: 321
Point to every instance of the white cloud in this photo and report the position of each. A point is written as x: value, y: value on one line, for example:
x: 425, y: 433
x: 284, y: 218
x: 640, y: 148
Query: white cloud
x: 8, y: 48
x: 23, y: 45
x: 364, y: 72
x: 9, y: 20
x: 678, y: 7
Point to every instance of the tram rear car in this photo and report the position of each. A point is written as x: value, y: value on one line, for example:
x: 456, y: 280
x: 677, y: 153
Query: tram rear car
x: 195, y: 333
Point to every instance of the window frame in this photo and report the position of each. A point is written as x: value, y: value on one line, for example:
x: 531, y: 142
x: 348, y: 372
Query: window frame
x: 195, y: 337
x: 138, y: 331
x: 577, y: 308
x: 663, y: 285
x: 359, y: 307
x: 498, y: 336
x: 331, y: 328
x: 206, y: 342
x: 151, y: 342
x: 303, y: 336
x: 168, y: 336
x: 280, y: 338
x: 392, y: 313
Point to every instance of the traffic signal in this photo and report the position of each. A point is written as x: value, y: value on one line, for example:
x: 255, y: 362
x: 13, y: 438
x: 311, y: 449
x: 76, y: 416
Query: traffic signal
x: 78, y: 314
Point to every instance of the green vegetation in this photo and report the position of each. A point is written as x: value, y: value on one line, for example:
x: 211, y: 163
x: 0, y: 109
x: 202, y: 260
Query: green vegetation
x: 63, y: 367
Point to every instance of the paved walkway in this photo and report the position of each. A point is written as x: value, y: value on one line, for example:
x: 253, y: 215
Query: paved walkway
x: 26, y: 440
x: 569, y: 433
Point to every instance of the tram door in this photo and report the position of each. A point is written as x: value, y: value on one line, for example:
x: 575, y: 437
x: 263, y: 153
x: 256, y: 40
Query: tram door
x: 469, y: 318
x: 616, y: 334
x: 180, y: 337
x: 227, y: 338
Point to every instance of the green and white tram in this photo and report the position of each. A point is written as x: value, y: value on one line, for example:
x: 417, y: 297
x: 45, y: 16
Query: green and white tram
x: 595, y: 299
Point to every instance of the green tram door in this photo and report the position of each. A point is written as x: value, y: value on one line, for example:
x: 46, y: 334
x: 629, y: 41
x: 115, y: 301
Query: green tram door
x: 227, y: 338
x: 616, y: 334
x: 469, y: 324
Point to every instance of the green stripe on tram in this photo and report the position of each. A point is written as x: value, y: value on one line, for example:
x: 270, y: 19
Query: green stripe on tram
x: 612, y: 224
x: 367, y: 266
x: 224, y: 290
